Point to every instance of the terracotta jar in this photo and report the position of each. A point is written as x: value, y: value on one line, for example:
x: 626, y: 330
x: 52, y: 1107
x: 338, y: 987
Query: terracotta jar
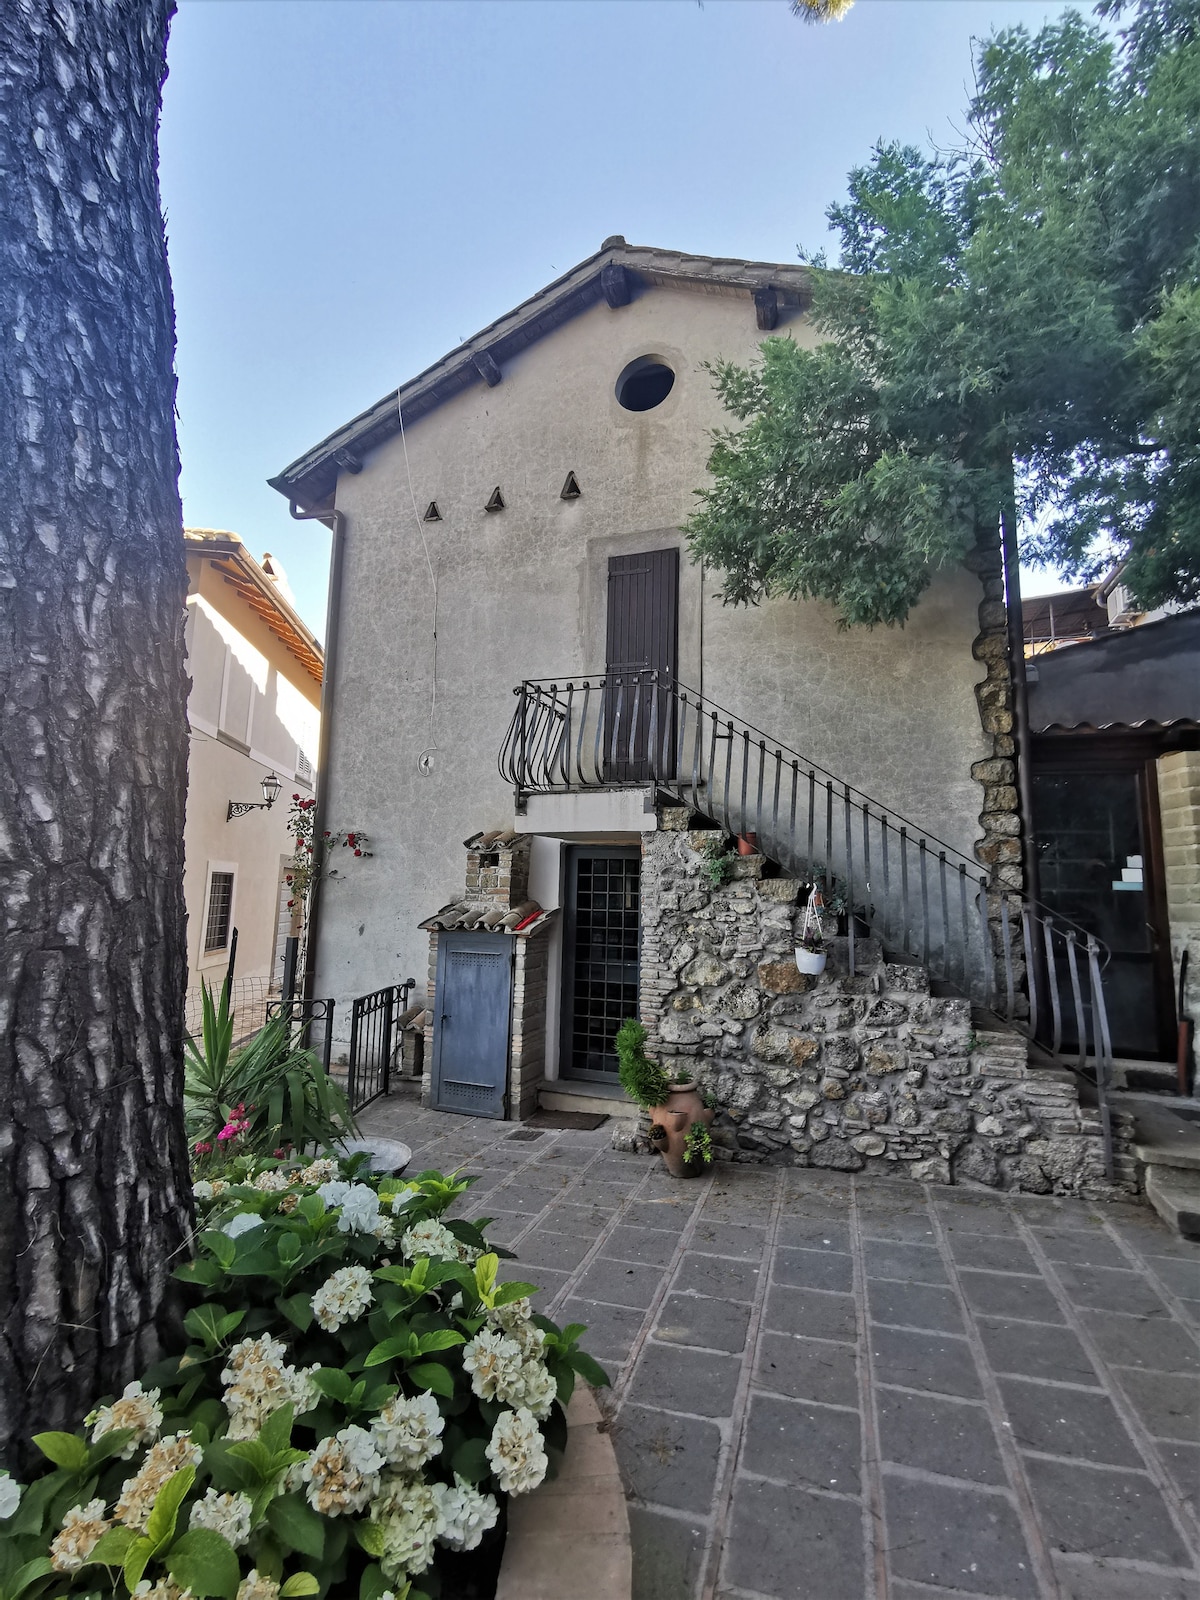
x: 683, y: 1106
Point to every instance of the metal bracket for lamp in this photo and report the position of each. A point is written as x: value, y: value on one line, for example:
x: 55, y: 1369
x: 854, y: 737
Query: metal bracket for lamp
x: 270, y: 788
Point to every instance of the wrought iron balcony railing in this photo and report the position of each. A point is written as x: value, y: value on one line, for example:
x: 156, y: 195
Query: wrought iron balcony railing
x: 967, y: 924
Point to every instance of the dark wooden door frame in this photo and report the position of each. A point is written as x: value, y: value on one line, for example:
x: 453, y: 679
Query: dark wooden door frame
x: 572, y: 854
x: 1138, y: 754
x: 641, y: 637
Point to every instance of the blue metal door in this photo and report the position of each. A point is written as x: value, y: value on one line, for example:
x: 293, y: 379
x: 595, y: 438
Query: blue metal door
x: 472, y: 1010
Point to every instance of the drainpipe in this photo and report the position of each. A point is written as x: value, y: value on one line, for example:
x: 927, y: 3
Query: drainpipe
x: 1016, y: 665
x: 336, y: 521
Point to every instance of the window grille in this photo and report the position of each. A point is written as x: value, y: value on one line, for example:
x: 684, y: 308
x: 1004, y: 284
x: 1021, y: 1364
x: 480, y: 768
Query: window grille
x: 220, y: 909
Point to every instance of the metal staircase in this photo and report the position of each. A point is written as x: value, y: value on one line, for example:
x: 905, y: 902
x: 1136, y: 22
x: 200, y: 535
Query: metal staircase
x: 1037, y: 971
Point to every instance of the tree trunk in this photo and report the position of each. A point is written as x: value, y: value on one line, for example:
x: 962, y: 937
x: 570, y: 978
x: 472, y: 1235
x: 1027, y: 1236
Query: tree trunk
x: 94, y: 1194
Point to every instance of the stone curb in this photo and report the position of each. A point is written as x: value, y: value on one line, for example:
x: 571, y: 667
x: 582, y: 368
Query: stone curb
x: 569, y: 1540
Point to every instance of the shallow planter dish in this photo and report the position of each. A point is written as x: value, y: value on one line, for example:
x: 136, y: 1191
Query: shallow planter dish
x: 810, y: 960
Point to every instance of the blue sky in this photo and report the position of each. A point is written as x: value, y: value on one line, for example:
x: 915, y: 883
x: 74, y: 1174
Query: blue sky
x: 354, y: 186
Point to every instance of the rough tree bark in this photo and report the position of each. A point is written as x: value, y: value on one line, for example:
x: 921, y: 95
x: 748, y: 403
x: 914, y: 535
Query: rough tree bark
x: 94, y: 1197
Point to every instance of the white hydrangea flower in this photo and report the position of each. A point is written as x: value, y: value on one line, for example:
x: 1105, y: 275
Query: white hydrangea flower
x: 202, y: 1190
x: 272, y: 1181
x: 408, y: 1433
x: 164, y: 1589
x: 535, y: 1389
x: 242, y: 1223
x: 322, y: 1170
x: 259, y: 1381
x: 82, y: 1527
x: 514, y: 1320
x: 360, y: 1209
x: 515, y: 1452
x: 163, y: 1461
x: 227, y: 1514
x: 10, y: 1495
x: 342, y: 1473
x: 431, y: 1238
x: 333, y: 1191
x: 494, y: 1362
x: 342, y: 1298
x: 407, y: 1511
x: 467, y: 1514
x: 138, y: 1409
x: 384, y: 1230
x: 256, y: 1587
x: 402, y: 1196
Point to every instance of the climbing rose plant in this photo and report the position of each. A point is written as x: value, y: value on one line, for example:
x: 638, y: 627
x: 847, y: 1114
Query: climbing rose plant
x: 356, y: 1395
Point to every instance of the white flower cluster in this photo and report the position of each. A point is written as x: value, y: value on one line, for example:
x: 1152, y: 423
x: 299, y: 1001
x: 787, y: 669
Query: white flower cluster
x: 319, y: 1171
x: 515, y: 1452
x: 401, y: 1197
x: 81, y: 1529
x: 500, y: 1370
x: 164, y: 1589
x: 408, y: 1433
x: 138, y: 1409
x: 242, y: 1222
x: 10, y: 1495
x: 256, y: 1587
x: 466, y: 1514
x: 227, y: 1514
x: 410, y: 1519
x: 163, y: 1461
x: 259, y: 1381
x: 435, y: 1239
x: 342, y: 1298
x: 358, y: 1204
x: 342, y: 1473
x: 273, y: 1181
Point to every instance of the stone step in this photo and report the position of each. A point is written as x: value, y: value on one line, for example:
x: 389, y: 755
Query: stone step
x: 1165, y: 1139
x: 606, y: 1100
x: 1175, y: 1195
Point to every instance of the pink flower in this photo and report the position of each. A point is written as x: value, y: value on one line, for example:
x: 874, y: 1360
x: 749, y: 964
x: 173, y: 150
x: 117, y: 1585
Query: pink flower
x: 202, y: 1148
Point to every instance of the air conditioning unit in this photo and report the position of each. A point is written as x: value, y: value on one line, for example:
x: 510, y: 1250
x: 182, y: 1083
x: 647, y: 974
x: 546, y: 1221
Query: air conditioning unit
x: 1123, y: 611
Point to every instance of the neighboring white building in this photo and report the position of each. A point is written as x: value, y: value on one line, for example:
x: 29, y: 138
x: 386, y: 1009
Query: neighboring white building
x: 254, y: 709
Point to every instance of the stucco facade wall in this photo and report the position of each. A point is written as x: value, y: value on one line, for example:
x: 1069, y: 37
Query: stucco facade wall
x: 521, y: 593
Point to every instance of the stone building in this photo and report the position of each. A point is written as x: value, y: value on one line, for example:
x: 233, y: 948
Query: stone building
x: 519, y: 644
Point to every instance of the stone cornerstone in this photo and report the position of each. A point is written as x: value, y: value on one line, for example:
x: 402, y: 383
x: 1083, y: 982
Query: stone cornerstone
x: 853, y: 1073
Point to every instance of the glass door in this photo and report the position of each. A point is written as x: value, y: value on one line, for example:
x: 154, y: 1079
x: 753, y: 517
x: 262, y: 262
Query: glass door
x: 600, y: 956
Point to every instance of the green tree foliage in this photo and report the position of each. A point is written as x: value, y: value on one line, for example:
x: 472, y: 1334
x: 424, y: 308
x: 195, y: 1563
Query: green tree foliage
x: 1019, y: 315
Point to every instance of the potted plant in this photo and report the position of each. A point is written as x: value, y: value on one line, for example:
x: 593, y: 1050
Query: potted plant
x: 675, y: 1105
x: 810, y: 948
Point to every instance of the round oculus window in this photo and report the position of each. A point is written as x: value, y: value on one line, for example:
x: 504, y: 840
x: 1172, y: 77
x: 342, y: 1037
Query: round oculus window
x: 644, y: 384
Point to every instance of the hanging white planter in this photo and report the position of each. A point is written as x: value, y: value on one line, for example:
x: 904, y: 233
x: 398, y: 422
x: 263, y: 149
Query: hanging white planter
x: 810, y: 960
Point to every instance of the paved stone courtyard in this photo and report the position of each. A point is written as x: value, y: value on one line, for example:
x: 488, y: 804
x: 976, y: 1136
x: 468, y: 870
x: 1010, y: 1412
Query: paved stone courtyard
x: 831, y: 1388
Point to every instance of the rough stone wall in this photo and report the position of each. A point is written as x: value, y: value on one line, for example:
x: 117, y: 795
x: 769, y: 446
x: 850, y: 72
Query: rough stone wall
x: 854, y: 1073
x: 1179, y: 806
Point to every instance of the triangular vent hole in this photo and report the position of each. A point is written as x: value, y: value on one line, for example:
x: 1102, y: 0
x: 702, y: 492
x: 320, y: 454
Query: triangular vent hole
x: 570, y: 489
x: 496, y: 503
x: 432, y: 514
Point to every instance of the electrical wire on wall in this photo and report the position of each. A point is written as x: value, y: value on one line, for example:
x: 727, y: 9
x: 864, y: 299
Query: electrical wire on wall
x: 426, y: 757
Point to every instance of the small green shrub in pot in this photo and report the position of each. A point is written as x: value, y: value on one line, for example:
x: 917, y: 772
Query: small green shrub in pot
x: 353, y: 1395
x: 642, y: 1079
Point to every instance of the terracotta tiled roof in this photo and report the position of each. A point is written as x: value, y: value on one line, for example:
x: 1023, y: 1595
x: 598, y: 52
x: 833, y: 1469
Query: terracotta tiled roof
x: 229, y: 556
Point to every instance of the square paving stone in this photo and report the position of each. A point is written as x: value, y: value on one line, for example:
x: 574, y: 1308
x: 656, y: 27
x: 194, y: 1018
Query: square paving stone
x: 788, y: 1543
x: 669, y: 1461
x: 1083, y: 1578
x: 911, y: 1263
x: 1181, y: 1275
x: 1154, y: 1342
x: 812, y: 1312
x: 813, y: 1269
x: 1004, y: 1294
x: 1105, y: 1290
x: 545, y: 1248
x: 695, y: 1319
x: 672, y: 1216
x: 932, y: 1362
x: 651, y: 1247
x: 619, y: 1283
x: 808, y: 1369
x: 677, y: 1379
x: 668, y: 1555
x: 913, y: 1223
x: 505, y: 1226
x: 1043, y: 1211
x: 959, y: 1538
x: 1147, y: 1234
x: 1080, y: 1246
x: 729, y: 1239
x: 717, y: 1275
x: 814, y: 1233
x: 611, y: 1330
x: 1104, y: 1513
x: 1067, y: 1422
x: 950, y: 1437
x: 546, y: 1283
x: 582, y: 1222
x: 796, y: 1442
x: 1182, y: 1461
x: 1168, y: 1403
x: 961, y: 1215
x: 991, y: 1254
x: 914, y: 1305
x: 1032, y: 1350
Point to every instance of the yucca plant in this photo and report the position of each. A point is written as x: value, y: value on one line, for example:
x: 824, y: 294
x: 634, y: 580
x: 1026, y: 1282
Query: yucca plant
x: 261, y: 1097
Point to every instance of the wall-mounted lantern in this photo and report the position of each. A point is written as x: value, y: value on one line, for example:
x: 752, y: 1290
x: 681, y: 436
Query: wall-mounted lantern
x: 270, y: 788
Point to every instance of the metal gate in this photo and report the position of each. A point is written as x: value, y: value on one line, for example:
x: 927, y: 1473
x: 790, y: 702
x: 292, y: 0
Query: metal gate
x: 471, y: 1023
x: 300, y: 1016
x: 372, y: 1032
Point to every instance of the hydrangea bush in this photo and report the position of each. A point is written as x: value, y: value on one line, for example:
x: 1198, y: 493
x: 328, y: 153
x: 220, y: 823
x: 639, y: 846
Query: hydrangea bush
x: 357, y: 1393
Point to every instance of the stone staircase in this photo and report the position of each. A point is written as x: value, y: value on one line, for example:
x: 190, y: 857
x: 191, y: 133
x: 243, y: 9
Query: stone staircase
x: 1166, y: 1148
